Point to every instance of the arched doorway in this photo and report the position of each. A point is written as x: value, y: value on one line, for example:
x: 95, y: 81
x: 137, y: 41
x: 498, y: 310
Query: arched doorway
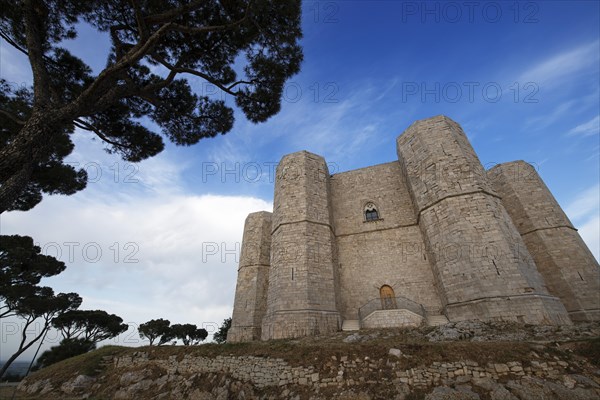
x: 388, y: 298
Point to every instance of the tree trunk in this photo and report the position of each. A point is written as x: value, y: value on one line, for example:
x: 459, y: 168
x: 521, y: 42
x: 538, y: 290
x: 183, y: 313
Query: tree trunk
x: 21, y: 350
x: 9, y: 362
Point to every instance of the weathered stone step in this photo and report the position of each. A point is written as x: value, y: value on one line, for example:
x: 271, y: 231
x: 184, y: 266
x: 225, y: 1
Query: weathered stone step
x: 435, y: 320
x: 350, y: 325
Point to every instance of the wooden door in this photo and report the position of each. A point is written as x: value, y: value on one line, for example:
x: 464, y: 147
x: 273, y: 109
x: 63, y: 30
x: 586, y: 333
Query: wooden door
x: 388, y: 298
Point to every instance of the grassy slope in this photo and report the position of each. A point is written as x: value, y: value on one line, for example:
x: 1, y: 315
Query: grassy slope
x: 319, y: 353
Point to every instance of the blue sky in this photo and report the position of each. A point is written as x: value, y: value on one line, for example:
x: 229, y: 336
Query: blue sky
x: 522, y: 79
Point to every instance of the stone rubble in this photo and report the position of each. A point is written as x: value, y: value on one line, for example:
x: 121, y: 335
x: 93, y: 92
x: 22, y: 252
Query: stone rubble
x: 245, y: 377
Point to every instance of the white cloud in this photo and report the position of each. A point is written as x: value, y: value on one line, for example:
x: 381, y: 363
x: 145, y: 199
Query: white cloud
x: 143, y: 250
x: 565, y: 65
x: 591, y: 127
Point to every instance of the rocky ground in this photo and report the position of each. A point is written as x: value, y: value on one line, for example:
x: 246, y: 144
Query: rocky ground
x: 464, y: 360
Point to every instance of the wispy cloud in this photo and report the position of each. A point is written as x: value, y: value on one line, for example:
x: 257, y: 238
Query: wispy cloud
x: 586, y: 203
x: 336, y: 129
x: 557, y: 113
x: 591, y: 127
x: 566, y: 65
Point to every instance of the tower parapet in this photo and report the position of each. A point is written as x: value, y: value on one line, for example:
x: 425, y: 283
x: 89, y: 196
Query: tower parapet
x: 481, y: 265
x: 567, y: 265
x: 253, y: 279
x: 303, y: 280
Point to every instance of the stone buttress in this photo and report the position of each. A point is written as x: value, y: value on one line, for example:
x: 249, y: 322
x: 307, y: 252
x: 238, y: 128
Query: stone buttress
x: 253, y: 278
x: 567, y: 265
x: 481, y: 265
x: 303, y: 289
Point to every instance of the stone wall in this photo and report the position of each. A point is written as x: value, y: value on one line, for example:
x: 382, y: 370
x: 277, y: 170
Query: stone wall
x: 567, y: 265
x: 344, y: 371
x: 389, y: 251
x: 461, y: 241
x: 381, y: 184
x: 394, y: 257
x: 253, y: 278
x: 392, y: 318
x: 303, y: 293
x: 139, y: 376
x: 469, y: 236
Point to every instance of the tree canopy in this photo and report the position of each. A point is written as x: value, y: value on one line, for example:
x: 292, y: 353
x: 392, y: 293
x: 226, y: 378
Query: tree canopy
x: 22, y: 266
x: 156, y: 329
x: 164, y: 332
x: 22, y: 263
x: 41, y: 304
x: 81, y: 330
x: 89, y: 325
x: 221, y: 335
x: 189, y: 334
x: 246, y: 48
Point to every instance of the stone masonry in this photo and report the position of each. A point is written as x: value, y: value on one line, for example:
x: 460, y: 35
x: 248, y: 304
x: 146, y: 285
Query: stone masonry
x: 433, y: 228
x: 561, y: 256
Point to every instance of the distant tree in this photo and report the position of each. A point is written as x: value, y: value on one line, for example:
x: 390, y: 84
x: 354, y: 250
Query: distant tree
x: 221, y: 335
x: 156, y: 329
x: 40, y: 303
x: 66, y: 349
x: 153, y: 44
x: 90, y: 325
x: 81, y: 330
x: 189, y: 334
x: 21, y: 269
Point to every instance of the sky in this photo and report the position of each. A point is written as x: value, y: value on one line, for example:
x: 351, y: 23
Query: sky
x: 161, y: 238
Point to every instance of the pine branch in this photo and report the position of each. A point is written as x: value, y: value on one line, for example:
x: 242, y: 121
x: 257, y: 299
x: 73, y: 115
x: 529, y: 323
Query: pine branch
x: 12, y: 117
x: 89, y: 127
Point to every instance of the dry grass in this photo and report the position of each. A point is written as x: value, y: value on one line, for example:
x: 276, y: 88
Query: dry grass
x: 320, y: 353
x: 85, y: 364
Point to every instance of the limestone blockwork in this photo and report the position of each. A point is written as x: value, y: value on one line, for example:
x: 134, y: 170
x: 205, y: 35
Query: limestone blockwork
x: 449, y: 239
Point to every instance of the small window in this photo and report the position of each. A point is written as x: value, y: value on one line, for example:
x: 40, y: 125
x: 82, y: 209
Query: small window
x: 371, y: 213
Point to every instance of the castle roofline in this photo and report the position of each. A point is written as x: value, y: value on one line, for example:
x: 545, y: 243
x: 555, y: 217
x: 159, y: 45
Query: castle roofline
x: 364, y: 168
x: 499, y: 165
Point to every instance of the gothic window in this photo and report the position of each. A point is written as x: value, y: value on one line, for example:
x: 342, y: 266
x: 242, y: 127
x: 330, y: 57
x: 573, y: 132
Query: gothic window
x: 371, y: 213
x: 388, y: 298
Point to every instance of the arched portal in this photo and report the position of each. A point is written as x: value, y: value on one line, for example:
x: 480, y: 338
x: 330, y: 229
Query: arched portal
x: 388, y: 298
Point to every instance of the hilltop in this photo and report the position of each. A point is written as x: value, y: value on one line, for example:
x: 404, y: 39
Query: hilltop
x: 466, y: 360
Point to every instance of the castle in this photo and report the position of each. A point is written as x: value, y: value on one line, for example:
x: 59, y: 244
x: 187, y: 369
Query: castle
x: 430, y: 238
